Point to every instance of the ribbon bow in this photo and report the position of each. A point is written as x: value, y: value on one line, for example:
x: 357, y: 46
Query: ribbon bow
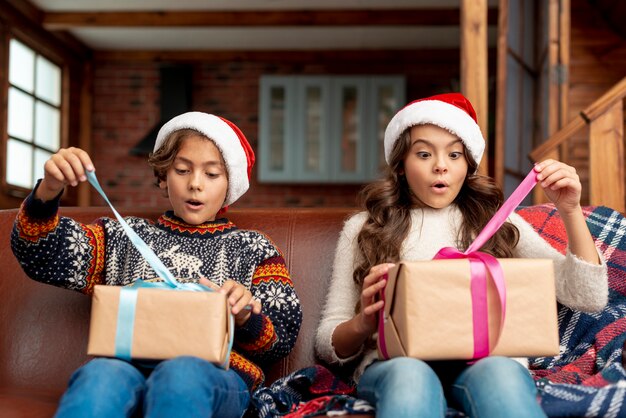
x: 480, y: 264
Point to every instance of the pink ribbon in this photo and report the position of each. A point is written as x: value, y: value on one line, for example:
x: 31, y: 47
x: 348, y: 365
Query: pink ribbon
x: 480, y: 264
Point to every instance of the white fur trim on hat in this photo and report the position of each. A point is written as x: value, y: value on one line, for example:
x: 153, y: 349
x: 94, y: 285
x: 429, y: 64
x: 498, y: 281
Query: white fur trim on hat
x: 226, y: 141
x: 439, y: 113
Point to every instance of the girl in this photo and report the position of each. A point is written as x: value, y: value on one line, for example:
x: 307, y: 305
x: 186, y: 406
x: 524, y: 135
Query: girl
x: 432, y: 197
x: 203, y: 164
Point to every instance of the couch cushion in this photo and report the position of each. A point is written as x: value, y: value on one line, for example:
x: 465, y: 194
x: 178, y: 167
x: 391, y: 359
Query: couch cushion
x: 27, y: 403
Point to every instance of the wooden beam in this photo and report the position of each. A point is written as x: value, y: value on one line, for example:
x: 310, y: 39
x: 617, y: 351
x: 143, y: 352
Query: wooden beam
x: 501, y: 82
x: 553, y: 82
x: 474, y: 64
x: 383, y: 17
x: 606, y: 159
x: 396, y: 56
x: 564, y: 56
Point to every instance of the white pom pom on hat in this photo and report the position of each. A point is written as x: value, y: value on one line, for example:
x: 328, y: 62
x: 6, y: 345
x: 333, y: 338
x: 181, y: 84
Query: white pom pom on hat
x: 450, y: 111
x: 235, y: 148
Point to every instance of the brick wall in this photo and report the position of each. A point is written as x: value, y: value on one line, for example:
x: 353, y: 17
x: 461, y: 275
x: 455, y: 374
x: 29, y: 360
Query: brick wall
x: 126, y: 107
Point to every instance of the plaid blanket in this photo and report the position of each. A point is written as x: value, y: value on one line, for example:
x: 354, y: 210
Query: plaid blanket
x: 587, y: 378
x: 310, y: 392
x: 307, y: 392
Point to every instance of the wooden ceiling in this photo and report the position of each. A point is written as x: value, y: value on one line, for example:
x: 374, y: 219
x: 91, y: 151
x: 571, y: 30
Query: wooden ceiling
x: 192, y: 25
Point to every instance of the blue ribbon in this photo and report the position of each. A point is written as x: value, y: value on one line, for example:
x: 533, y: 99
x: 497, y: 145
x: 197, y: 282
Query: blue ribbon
x: 125, y: 322
x: 128, y: 294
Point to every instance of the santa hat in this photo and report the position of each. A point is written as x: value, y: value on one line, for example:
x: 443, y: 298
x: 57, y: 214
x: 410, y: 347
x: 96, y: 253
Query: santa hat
x: 236, y: 151
x: 450, y: 111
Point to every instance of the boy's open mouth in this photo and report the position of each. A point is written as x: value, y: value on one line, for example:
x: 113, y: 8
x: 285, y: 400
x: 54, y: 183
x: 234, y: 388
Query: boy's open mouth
x: 194, y: 203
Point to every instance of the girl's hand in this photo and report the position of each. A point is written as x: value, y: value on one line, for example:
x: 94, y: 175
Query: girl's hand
x: 239, y: 298
x: 67, y: 166
x: 349, y: 336
x: 561, y: 184
x: 373, y: 283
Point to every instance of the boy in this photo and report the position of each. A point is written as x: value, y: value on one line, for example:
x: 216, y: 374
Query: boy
x: 203, y: 163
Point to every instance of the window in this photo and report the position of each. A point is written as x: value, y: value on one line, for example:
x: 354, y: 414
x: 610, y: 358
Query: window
x: 325, y: 129
x: 34, y: 114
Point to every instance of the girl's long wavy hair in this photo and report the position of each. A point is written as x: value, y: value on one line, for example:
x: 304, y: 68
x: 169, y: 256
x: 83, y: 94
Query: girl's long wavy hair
x: 388, y: 203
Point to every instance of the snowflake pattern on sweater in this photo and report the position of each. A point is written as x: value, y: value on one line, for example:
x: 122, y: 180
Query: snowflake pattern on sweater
x: 65, y: 253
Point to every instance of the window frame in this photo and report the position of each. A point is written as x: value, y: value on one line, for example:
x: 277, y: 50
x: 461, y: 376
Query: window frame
x: 332, y: 87
x: 300, y: 127
x: 63, y: 107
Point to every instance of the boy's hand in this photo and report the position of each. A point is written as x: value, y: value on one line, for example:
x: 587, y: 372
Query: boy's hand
x: 239, y: 298
x: 561, y: 184
x: 67, y: 166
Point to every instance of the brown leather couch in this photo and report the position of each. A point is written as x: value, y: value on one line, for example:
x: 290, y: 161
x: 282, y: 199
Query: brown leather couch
x: 43, y: 329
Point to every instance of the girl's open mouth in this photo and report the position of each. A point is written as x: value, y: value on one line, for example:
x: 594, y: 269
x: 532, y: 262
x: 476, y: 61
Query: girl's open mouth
x: 439, y: 187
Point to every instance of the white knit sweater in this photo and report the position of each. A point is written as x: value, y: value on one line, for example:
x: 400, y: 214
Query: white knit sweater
x: 579, y: 285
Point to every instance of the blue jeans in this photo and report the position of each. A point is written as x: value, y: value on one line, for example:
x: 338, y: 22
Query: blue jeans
x: 491, y: 387
x: 180, y: 387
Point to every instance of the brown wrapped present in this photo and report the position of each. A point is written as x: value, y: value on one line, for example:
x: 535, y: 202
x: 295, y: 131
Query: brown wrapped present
x: 167, y: 323
x: 428, y: 311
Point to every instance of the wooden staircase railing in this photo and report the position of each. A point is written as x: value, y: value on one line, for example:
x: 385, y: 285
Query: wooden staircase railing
x: 605, y: 118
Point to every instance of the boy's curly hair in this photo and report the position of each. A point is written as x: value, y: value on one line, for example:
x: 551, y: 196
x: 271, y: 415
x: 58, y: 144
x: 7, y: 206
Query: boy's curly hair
x: 388, y: 203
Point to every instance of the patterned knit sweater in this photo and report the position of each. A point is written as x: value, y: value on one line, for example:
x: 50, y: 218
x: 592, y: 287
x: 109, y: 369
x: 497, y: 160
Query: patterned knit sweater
x: 579, y: 285
x: 62, y: 252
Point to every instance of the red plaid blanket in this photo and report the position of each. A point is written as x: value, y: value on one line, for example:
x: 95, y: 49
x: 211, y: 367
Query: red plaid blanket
x: 587, y: 378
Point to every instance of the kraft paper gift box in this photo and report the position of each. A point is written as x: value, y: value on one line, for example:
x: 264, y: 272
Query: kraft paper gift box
x: 428, y: 310
x: 167, y: 323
